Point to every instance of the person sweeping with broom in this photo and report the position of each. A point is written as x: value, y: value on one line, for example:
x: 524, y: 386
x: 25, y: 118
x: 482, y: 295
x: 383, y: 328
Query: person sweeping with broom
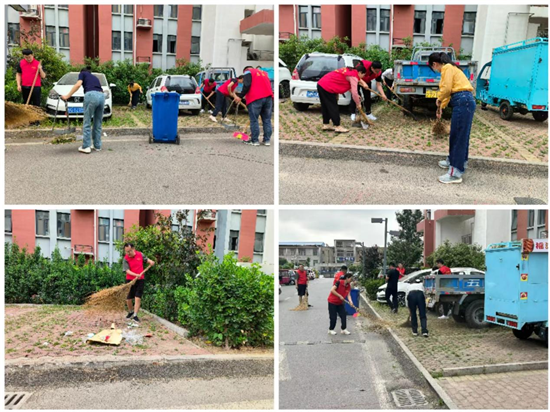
x: 208, y: 90
x: 373, y: 72
x: 336, y: 299
x: 416, y: 300
x: 454, y: 90
x: 133, y: 266
x: 222, y: 93
x: 29, y: 75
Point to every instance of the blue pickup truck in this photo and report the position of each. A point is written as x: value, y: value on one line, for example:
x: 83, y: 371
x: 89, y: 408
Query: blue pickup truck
x: 516, y: 289
x: 417, y: 83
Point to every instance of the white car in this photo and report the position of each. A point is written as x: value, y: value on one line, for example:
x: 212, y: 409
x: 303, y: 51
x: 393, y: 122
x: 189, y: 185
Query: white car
x: 402, y: 286
x: 310, y: 69
x: 76, y: 101
x: 186, y: 86
x: 284, y: 80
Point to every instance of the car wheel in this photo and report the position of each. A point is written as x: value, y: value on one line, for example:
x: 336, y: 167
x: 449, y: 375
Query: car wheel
x: 401, y: 299
x: 284, y: 90
x: 195, y: 112
x: 475, y: 315
x: 506, y: 110
x: 301, y: 107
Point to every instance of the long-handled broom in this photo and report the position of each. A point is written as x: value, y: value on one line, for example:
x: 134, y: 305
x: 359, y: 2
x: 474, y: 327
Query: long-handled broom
x: 440, y: 128
x: 392, y: 102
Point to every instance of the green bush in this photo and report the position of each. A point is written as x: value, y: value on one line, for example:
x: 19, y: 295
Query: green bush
x: 228, y: 304
x: 371, y: 287
x: 458, y: 255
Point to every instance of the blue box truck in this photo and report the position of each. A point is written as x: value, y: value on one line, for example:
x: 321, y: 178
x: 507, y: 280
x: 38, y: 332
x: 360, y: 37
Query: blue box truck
x: 516, y: 80
x: 516, y: 286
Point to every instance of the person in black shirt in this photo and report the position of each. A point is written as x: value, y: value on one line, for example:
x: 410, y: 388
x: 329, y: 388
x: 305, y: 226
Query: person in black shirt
x: 392, y: 277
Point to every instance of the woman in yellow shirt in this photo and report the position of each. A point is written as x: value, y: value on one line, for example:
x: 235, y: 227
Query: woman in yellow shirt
x: 135, y: 91
x: 454, y: 90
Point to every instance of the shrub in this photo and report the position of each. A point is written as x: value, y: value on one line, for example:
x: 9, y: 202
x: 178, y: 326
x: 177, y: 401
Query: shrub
x: 371, y: 287
x: 229, y: 304
x: 458, y: 255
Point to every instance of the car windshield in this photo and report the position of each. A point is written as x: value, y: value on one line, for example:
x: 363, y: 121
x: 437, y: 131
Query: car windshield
x: 220, y: 76
x: 70, y: 79
x: 313, y: 67
x: 182, y: 85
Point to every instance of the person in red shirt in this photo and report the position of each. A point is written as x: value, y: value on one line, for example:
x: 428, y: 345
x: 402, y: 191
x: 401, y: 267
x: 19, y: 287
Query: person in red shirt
x: 343, y: 271
x: 443, y: 270
x: 222, y: 93
x: 336, y: 299
x: 331, y: 86
x: 301, y: 283
x: 208, y: 90
x: 26, y: 75
x: 401, y: 270
x: 374, y: 72
x: 133, y: 266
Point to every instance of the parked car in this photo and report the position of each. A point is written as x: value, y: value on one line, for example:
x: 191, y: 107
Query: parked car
x: 76, y: 102
x: 310, y: 69
x: 402, y: 286
x: 284, y: 80
x: 287, y: 277
x: 186, y: 86
x: 219, y: 74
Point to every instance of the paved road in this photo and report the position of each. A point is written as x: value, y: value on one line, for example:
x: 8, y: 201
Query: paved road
x: 334, y: 182
x: 319, y: 371
x: 255, y: 393
x: 204, y: 169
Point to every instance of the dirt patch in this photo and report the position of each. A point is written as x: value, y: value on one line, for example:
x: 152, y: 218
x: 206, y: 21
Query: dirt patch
x: 20, y: 115
x: 42, y: 331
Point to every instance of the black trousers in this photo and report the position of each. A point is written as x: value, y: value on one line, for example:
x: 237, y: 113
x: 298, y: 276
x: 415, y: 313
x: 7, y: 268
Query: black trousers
x: 392, y: 293
x: 389, y: 93
x: 135, y: 98
x: 417, y: 300
x: 329, y: 106
x: 204, y: 104
x: 334, y: 311
x: 367, y: 101
x: 221, y: 104
x: 36, y: 95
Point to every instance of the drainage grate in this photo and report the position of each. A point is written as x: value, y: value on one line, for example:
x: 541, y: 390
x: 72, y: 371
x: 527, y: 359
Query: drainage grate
x: 528, y: 201
x: 14, y: 400
x: 408, y: 398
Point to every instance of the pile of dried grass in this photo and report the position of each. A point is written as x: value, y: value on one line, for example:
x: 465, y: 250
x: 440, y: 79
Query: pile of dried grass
x: 112, y: 299
x: 440, y: 128
x: 303, y: 305
x: 19, y: 115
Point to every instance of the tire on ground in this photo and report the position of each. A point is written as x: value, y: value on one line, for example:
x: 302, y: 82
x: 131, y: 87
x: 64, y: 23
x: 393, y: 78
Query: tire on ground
x: 475, y: 315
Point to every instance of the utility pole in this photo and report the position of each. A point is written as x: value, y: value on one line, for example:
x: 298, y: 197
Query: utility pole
x: 385, y: 221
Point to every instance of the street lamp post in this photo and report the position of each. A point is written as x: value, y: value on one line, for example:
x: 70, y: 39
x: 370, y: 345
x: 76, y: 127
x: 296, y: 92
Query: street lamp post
x: 385, y: 221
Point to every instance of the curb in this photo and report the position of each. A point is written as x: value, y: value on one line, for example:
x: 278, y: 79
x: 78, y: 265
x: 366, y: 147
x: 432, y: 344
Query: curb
x: 168, y: 325
x: 404, y: 157
x: 115, y: 131
x: 497, y: 368
x: 433, y: 383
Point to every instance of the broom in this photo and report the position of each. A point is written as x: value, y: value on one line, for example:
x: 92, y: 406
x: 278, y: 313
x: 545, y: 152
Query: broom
x: 440, y: 128
x: 392, y: 102
x: 303, y: 305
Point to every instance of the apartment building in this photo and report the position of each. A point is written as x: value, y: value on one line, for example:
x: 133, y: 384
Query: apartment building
x: 158, y: 35
x: 302, y: 253
x: 249, y: 234
x: 481, y: 227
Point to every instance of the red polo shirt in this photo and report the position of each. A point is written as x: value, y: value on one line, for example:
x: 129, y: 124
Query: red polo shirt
x: 28, y: 71
x: 342, y: 289
x: 445, y: 270
x: 302, y: 277
x: 135, y: 264
x: 401, y: 272
x: 337, y: 276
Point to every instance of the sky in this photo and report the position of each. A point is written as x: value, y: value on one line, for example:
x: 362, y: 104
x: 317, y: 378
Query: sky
x: 328, y: 225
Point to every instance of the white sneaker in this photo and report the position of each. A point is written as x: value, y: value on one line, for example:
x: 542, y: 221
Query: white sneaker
x: 415, y: 333
x: 202, y: 111
x: 371, y: 117
x: 210, y: 111
x: 443, y: 317
x: 345, y: 332
x: 331, y: 332
x: 353, y: 117
x: 213, y: 119
x: 88, y: 150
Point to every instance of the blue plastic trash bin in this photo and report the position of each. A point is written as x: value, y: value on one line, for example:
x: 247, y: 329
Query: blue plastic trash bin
x: 165, y: 117
x: 355, y: 299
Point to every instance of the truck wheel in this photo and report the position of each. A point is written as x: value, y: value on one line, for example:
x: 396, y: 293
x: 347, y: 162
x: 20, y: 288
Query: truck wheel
x: 540, y: 116
x: 301, y: 107
x: 475, y: 315
x: 408, y: 103
x: 506, y: 110
x: 459, y: 318
x: 284, y: 90
x: 401, y: 299
x: 524, y: 333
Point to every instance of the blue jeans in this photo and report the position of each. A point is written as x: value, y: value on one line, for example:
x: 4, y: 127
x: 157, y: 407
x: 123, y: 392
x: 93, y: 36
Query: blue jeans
x: 264, y: 108
x: 94, y: 103
x: 464, y: 107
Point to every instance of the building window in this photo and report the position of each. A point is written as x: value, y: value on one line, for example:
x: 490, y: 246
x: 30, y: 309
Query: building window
x: 128, y: 41
x: 50, y: 36
x: 118, y: 230
x: 158, y: 11
x: 197, y: 13
x: 315, y: 251
x: 437, y: 22
x: 175, y: 227
x: 195, y: 45
x: 234, y: 240
x: 14, y: 33
x: 248, y: 13
x: 129, y: 9
x: 530, y: 219
x: 7, y: 221
x: 116, y: 8
x: 103, y: 234
x: 64, y: 225
x: 541, y: 221
x: 316, y: 17
x: 64, y: 37
x: 469, y: 24
x: 63, y: 6
x: 371, y: 19
x: 173, y: 12
x: 302, y: 17
x: 42, y: 223
x: 172, y: 44
x: 514, y: 220
x: 117, y: 40
x: 157, y: 43
x: 384, y: 20
x: 419, y: 22
x: 262, y: 211
x: 301, y: 252
x: 259, y: 243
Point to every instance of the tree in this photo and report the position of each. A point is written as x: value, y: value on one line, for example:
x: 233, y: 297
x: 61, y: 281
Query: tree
x: 282, y: 261
x: 458, y: 255
x: 373, y: 260
x: 407, y: 247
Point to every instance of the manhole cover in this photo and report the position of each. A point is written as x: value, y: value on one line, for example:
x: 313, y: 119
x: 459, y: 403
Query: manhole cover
x: 14, y: 400
x: 528, y: 201
x: 407, y: 398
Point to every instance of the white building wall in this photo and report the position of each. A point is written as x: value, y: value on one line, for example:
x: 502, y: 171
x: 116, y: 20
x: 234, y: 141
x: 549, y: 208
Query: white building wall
x: 268, y: 264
